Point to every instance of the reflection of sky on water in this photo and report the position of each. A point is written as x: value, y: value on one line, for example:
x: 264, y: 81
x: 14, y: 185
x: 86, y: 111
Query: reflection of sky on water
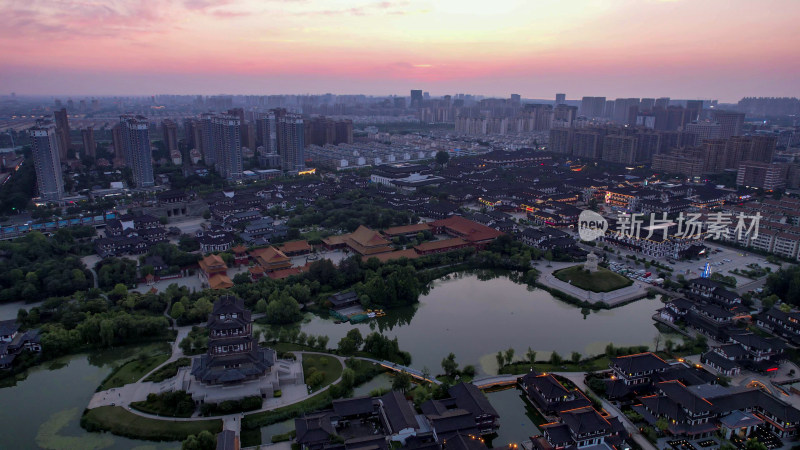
x: 474, y: 317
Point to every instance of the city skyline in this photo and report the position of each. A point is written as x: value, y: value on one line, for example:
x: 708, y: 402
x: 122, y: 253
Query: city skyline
x: 711, y: 49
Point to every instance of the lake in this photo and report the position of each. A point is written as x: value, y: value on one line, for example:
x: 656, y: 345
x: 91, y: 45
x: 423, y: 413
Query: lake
x: 475, y: 317
x: 44, y: 410
x: 466, y: 314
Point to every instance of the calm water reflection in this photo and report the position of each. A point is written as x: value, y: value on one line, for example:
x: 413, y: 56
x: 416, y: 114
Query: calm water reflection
x: 516, y: 423
x: 474, y: 318
x: 44, y: 410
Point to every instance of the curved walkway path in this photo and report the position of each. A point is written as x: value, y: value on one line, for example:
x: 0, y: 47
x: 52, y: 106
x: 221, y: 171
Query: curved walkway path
x: 133, y: 392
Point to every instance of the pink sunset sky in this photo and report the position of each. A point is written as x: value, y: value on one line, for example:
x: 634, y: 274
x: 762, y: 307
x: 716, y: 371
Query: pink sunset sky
x: 722, y: 49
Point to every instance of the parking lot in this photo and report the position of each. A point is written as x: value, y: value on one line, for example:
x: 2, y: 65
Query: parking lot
x: 723, y: 260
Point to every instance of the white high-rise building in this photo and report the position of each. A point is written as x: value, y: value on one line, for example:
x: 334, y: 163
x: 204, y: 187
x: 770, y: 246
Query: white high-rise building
x: 45, y: 146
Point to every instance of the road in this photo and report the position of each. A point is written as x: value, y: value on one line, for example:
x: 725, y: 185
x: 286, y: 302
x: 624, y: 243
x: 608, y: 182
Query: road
x: 577, y: 378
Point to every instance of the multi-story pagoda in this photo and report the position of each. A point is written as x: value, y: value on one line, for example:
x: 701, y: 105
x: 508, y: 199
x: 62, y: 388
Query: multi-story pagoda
x: 233, y: 355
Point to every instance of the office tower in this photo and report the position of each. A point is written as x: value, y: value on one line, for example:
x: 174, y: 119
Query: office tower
x: 676, y: 118
x: 662, y: 102
x: 62, y: 129
x: 593, y: 106
x: 416, y: 98
x: 623, y: 110
x: 561, y: 99
x: 608, y: 111
x: 762, y: 148
x: 135, y: 137
x: 647, y: 120
x: 291, y: 142
x: 703, y: 131
x: 730, y: 123
x: 620, y: 149
x: 694, y: 108
x: 648, y: 145
x: 267, y: 130
x: 588, y: 143
x: 249, y: 136
x: 239, y: 112
x: 344, y: 132
x: 516, y: 99
x: 400, y: 102
x: 560, y: 141
x: 119, y: 150
x: 322, y: 130
x: 647, y: 104
x: 319, y: 131
x: 189, y: 126
x: 564, y: 116
x: 687, y: 162
x: 207, y: 139
x: 89, y: 145
x: 633, y: 112
x: 718, y: 155
x: 227, y: 143
x: 47, y: 162
x: 170, y: 129
x: 762, y: 175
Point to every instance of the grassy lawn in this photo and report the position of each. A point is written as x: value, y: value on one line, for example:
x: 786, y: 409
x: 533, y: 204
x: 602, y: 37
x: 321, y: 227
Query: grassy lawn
x: 168, y: 371
x: 290, y: 347
x: 132, y: 371
x: 121, y: 422
x: 312, y: 235
x: 602, y: 280
x: 264, y: 418
x: 324, y: 364
x: 595, y: 364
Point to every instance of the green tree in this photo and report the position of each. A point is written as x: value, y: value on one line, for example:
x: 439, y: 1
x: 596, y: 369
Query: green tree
x: 119, y: 291
x: 261, y: 306
x: 468, y: 371
x: 510, y: 355
x: 669, y: 345
x: 177, y: 310
x: 770, y: 301
x: 442, y: 157
x: 531, y: 355
x: 355, y: 335
x: 450, y: 365
x: 348, y: 378
x: 785, y: 307
x: 576, y: 358
x: 662, y: 424
x: 347, y: 346
x: 202, y: 441
x: 555, y: 359
x: 401, y: 382
x: 501, y: 360
x: 754, y: 444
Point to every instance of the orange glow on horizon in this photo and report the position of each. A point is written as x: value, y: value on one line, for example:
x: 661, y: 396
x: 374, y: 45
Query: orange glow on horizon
x: 712, y: 49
